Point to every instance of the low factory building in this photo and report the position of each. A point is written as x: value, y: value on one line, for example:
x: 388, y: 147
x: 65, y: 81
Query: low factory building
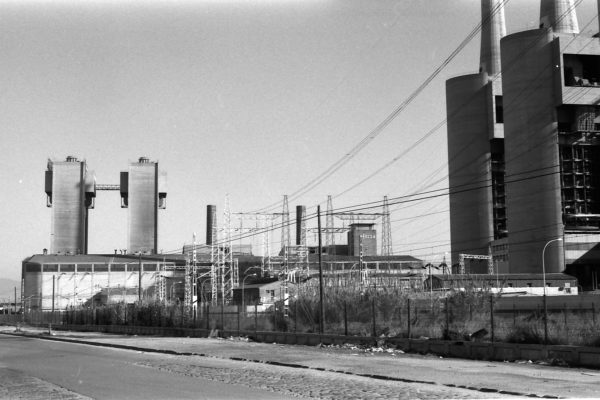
x: 61, y: 281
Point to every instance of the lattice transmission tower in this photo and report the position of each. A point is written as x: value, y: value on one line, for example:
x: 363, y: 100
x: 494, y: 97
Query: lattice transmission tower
x: 329, y: 227
x: 285, y: 224
x: 386, y: 228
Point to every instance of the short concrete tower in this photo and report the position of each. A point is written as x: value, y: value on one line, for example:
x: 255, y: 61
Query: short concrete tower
x: 70, y: 190
x: 143, y: 192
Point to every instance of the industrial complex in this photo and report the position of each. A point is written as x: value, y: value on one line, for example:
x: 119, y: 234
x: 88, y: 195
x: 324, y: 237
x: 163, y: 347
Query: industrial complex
x: 67, y: 276
x: 523, y: 161
x: 523, y: 149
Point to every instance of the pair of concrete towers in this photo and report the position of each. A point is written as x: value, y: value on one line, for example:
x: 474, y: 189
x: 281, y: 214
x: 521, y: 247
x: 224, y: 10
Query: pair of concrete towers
x: 71, y: 192
x: 524, y: 146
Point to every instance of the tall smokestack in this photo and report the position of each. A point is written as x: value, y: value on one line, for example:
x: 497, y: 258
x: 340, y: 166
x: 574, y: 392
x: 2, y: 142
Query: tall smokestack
x: 211, y: 221
x: 559, y: 15
x: 493, y: 29
x: 300, y: 215
x: 598, y: 12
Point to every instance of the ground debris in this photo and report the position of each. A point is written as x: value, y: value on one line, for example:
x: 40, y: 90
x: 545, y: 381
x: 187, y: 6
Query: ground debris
x: 362, y: 348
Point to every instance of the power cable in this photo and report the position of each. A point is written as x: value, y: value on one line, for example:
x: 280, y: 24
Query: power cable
x: 397, y: 111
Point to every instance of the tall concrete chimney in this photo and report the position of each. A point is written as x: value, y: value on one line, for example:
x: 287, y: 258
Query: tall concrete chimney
x: 211, y: 220
x: 493, y: 29
x: 598, y: 12
x: 559, y: 15
x: 300, y: 221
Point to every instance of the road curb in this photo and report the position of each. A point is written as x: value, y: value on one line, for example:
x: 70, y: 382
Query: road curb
x: 276, y: 363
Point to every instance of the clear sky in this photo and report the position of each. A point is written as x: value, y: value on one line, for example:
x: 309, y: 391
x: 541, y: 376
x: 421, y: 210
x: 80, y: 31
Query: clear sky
x: 247, y: 98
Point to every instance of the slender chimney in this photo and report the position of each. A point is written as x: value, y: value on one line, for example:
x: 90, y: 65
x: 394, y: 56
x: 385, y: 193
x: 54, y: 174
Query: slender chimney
x: 300, y: 221
x: 559, y: 15
x: 493, y: 29
x: 211, y: 221
x: 597, y: 12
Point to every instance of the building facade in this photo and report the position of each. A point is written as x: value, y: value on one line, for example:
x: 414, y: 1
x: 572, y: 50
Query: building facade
x: 61, y: 281
x: 551, y: 85
x: 524, y: 148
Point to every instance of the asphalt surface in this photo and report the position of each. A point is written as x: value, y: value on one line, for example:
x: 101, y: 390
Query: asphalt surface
x: 338, y: 372
x: 39, y: 369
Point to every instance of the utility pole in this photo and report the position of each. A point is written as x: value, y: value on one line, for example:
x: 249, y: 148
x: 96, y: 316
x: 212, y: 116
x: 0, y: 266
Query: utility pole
x: 322, y: 307
x: 53, y: 285
x: 52, y: 316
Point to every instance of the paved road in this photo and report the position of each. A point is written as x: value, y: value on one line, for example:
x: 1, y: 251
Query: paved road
x: 211, y: 359
x: 33, y: 368
x: 39, y: 369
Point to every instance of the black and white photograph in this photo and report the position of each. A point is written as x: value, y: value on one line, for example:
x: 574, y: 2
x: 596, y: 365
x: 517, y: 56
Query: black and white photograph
x: 299, y: 199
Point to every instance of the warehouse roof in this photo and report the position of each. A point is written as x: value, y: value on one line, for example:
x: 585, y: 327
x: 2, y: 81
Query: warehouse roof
x: 178, y: 259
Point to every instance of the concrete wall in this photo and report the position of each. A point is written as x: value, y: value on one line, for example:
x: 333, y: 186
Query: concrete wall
x: 572, y: 355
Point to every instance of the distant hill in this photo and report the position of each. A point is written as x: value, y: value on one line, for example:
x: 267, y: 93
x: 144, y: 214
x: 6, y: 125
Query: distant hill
x: 7, y: 289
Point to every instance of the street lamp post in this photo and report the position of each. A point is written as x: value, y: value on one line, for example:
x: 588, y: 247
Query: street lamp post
x: 544, y: 283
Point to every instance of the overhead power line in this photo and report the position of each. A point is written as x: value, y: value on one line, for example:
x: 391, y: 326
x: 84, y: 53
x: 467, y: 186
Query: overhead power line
x: 388, y: 120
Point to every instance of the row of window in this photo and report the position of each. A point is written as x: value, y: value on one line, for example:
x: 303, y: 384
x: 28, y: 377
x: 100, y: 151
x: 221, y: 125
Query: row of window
x: 116, y: 267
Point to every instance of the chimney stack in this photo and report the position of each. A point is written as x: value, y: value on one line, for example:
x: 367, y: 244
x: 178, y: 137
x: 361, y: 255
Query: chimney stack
x: 559, y: 15
x: 493, y: 29
x: 211, y: 221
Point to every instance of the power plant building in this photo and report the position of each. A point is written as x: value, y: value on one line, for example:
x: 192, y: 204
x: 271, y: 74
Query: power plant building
x: 551, y: 83
x: 542, y: 126
x: 52, y: 281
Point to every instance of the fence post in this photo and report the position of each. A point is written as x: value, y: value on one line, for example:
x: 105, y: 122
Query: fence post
x: 545, y: 320
x: 447, y: 311
x: 492, y: 316
x: 222, y: 317
x: 255, y: 320
x: 296, y: 315
x: 208, y: 317
x: 514, y: 315
x: 345, y: 319
x: 238, y: 319
x: 374, y: 317
x: 400, y: 317
x: 408, y: 316
x: 566, y: 325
